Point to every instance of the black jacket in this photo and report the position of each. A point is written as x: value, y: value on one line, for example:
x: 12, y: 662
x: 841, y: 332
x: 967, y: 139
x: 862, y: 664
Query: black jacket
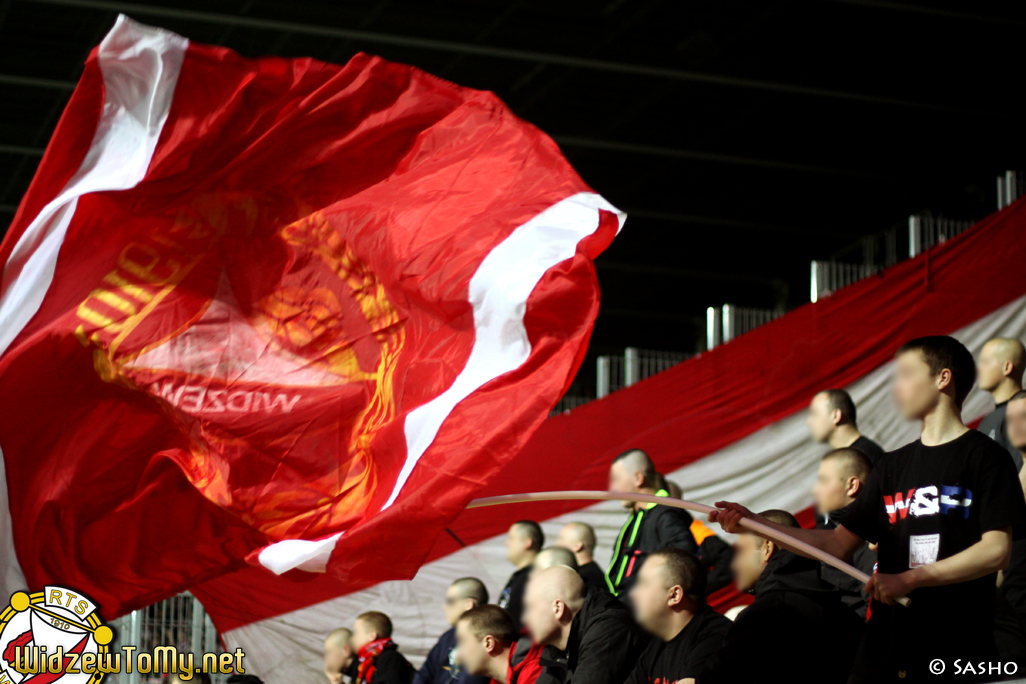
x: 594, y: 578
x: 392, y: 668
x: 716, y: 555
x: 647, y: 530
x: 797, y: 629
x: 512, y: 596
x: 604, y: 642
x: 864, y: 559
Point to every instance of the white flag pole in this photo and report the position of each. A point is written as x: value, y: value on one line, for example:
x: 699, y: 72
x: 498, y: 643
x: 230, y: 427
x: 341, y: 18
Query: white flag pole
x: 753, y: 525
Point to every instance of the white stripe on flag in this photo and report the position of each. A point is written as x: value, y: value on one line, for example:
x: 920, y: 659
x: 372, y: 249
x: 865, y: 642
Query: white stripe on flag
x: 140, y: 67
x: 498, y: 293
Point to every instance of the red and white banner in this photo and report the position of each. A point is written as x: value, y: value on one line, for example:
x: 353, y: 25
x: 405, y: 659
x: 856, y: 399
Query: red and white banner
x: 726, y: 425
x: 87, y: 393
x: 277, y: 314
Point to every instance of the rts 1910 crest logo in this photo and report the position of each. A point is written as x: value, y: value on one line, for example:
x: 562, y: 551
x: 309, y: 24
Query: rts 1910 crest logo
x: 53, y: 635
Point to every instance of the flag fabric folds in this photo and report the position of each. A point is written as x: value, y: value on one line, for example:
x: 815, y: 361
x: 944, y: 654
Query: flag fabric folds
x: 276, y: 313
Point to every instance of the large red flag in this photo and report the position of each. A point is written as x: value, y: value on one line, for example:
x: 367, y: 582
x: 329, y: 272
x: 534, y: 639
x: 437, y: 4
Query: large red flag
x: 276, y: 312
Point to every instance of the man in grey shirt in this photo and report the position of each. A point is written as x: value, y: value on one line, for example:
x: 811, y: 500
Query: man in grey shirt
x: 999, y: 371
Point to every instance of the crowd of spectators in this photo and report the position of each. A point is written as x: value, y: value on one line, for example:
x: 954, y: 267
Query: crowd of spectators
x: 935, y: 522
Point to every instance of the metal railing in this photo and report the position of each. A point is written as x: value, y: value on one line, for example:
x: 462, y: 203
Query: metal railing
x: 1010, y: 187
x: 723, y: 324
x: 568, y: 403
x: 926, y: 230
x: 179, y: 621
x: 872, y: 253
x: 830, y: 276
x: 616, y: 372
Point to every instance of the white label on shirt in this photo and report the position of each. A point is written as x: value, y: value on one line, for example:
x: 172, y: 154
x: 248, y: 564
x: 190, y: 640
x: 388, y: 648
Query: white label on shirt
x: 923, y: 549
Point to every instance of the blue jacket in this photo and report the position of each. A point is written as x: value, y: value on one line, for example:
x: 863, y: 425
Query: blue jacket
x: 440, y: 666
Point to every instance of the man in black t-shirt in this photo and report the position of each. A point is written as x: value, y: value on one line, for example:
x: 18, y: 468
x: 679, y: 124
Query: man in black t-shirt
x: 942, y: 510
x: 999, y: 370
x: 523, y: 542
x: 831, y: 420
x: 669, y: 603
x: 842, y: 477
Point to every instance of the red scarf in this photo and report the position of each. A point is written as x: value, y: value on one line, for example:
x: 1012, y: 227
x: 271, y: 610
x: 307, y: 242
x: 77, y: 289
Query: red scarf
x: 368, y: 655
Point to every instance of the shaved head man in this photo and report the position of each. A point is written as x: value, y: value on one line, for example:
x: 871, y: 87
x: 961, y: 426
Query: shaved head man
x: 523, y: 542
x: 595, y: 630
x: 579, y: 538
x: 649, y: 527
x: 552, y: 556
x: 841, y: 478
x: 832, y: 420
x: 339, y: 657
x: 441, y: 665
x: 669, y: 602
x: 999, y: 370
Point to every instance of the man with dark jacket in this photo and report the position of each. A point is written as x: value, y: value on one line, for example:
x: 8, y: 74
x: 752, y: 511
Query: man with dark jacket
x: 595, y: 631
x: 792, y: 606
x: 649, y: 528
x: 841, y: 477
x: 379, y: 659
x: 579, y: 538
x: 441, y: 665
x: 523, y: 542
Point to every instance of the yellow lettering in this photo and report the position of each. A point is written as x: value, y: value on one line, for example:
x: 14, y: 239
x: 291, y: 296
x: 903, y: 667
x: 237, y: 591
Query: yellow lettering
x: 144, y: 262
x: 131, y: 289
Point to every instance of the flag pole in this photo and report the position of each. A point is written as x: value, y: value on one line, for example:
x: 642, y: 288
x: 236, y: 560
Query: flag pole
x: 753, y: 525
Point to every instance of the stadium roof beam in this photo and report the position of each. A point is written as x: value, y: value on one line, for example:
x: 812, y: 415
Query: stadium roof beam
x: 689, y: 273
x: 49, y: 83
x: 22, y: 150
x: 361, y: 35
x: 932, y: 11
x: 713, y: 157
x: 611, y: 146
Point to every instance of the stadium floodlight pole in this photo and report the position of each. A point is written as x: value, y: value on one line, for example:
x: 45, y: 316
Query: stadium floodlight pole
x: 753, y: 525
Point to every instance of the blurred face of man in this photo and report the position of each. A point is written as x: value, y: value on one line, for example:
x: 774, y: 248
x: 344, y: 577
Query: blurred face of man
x: 916, y: 391
x: 1015, y: 422
x: 621, y: 479
x: 539, y: 614
x: 650, y: 594
x: 750, y: 558
x: 362, y: 635
x: 455, y: 604
x: 471, y: 652
x: 831, y: 488
x: 820, y: 420
x: 990, y: 367
x: 518, y: 545
x: 336, y: 658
